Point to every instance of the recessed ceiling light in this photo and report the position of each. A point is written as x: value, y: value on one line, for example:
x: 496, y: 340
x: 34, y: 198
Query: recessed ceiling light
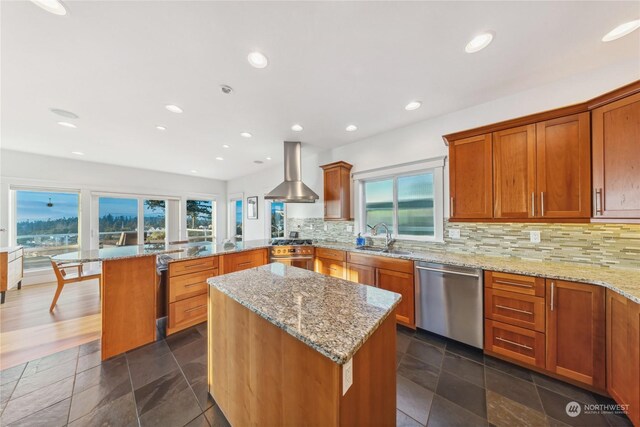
x: 258, y: 162
x: 194, y: 171
x: 226, y: 146
x: 53, y: 6
x: 67, y: 125
x: 413, y: 105
x: 161, y: 128
x: 78, y: 153
x: 297, y: 128
x: 226, y: 89
x: 219, y: 158
x: 173, y: 108
x: 479, y: 42
x: 245, y: 134
x: 351, y: 128
x: 268, y: 158
x: 257, y: 60
x: 64, y: 113
x: 622, y: 30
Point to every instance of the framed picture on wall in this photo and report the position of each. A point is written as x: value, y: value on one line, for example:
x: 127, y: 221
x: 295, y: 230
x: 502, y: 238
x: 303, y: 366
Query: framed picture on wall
x: 252, y: 207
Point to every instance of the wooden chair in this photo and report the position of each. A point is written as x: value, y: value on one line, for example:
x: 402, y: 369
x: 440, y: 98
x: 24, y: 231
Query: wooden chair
x: 63, y: 277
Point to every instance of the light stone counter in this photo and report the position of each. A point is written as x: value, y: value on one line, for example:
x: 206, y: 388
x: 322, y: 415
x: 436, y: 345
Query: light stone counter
x: 333, y: 316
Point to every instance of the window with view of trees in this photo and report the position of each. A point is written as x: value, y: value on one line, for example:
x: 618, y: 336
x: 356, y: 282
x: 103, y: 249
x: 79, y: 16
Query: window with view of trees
x: 155, y: 225
x: 277, y: 219
x: 404, y: 202
x: 201, y: 220
x: 117, y: 221
x: 46, y: 225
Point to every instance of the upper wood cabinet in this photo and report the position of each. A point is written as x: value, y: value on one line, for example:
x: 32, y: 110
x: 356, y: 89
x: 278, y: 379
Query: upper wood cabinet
x: 470, y: 177
x: 616, y: 159
x: 514, y: 172
x: 337, y: 191
x: 576, y: 331
x: 563, y: 165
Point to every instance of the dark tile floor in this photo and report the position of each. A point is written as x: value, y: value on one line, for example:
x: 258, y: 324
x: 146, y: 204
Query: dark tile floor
x: 440, y: 383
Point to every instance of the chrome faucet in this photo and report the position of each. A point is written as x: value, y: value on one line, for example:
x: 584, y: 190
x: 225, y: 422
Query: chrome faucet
x: 388, y: 241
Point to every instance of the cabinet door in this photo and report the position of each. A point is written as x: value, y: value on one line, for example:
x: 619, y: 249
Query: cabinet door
x: 330, y: 267
x: 616, y: 159
x: 514, y: 172
x: 401, y: 283
x: 332, y: 193
x: 363, y: 274
x: 623, y: 352
x: 470, y: 177
x: 563, y: 157
x: 576, y: 331
x: 244, y: 260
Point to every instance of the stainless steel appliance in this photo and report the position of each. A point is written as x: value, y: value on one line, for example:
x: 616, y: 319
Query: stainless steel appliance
x: 449, y: 302
x: 294, y: 252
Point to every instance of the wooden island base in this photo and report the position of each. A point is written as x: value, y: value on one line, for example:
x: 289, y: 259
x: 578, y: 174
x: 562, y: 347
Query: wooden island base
x: 261, y: 375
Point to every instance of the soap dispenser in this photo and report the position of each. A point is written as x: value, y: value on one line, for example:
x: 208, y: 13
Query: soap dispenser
x: 360, y: 240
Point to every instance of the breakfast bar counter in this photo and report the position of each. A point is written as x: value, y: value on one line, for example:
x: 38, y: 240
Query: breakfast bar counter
x: 324, y: 348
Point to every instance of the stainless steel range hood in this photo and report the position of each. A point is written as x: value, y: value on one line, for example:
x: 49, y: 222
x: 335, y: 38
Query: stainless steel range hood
x: 292, y: 190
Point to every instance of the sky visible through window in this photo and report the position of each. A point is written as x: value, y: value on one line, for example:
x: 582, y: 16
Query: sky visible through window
x: 32, y: 205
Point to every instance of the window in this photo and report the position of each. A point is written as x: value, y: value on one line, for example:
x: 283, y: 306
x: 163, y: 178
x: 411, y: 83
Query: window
x: 46, y: 225
x: 407, y: 197
x: 155, y: 221
x: 277, y: 219
x: 238, y: 220
x: 201, y: 220
x: 117, y: 221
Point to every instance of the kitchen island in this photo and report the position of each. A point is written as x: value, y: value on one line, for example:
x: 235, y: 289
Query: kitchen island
x: 288, y: 346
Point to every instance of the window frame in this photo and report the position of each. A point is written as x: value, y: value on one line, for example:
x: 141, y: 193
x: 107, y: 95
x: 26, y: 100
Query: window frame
x: 267, y: 224
x: 214, y: 216
x: 434, y: 166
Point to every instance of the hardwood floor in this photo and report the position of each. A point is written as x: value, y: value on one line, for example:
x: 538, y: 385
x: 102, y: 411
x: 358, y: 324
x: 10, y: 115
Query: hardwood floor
x: 29, y: 331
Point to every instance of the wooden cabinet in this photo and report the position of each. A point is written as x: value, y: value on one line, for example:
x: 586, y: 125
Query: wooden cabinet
x: 514, y: 172
x: 563, y: 165
x: 576, y: 332
x: 187, y: 291
x: 616, y: 159
x: 554, y: 326
x: 11, y: 270
x: 623, y: 352
x: 243, y: 260
x: 337, y: 191
x: 395, y: 275
x: 470, y: 177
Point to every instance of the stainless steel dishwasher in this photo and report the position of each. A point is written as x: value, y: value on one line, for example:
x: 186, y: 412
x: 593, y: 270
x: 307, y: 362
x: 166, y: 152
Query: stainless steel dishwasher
x: 449, y: 302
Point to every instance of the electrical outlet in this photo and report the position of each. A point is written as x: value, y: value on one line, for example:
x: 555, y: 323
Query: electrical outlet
x: 454, y: 233
x: 347, y: 376
x: 534, y: 236
x: 326, y: 227
x: 350, y: 228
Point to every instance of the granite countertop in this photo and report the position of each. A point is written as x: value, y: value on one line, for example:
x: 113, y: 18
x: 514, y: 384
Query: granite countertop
x: 624, y: 281
x: 333, y: 316
x: 9, y: 248
x: 175, y: 252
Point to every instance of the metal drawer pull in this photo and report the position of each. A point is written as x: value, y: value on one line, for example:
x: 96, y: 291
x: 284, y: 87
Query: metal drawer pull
x: 553, y: 285
x: 193, y: 284
x: 502, y: 282
x: 513, y: 309
x: 599, y: 210
x: 195, y: 265
x: 245, y: 263
x: 437, y: 270
x: 542, y: 203
x: 533, y: 204
x: 517, y: 344
x: 195, y: 308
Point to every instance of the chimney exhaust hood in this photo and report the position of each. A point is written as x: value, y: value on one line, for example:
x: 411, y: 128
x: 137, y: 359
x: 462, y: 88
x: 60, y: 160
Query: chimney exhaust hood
x: 292, y: 190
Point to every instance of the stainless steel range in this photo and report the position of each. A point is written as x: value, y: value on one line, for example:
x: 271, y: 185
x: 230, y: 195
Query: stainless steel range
x: 295, y: 252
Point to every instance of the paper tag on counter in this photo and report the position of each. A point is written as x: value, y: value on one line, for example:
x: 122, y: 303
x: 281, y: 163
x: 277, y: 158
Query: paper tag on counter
x: 347, y: 376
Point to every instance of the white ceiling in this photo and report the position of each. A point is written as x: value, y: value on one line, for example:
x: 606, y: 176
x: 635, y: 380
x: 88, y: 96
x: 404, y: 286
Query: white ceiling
x: 116, y: 64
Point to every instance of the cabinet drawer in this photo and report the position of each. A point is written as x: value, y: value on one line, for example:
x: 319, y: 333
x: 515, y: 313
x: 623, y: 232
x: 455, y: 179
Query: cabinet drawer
x: 187, y: 312
x: 244, y: 260
x: 330, y: 267
x: 189, y: 285
x: 376, y: 261
x: 331, y: 254
x: 514, y: 283
x: 516, y: 309
x: 14, y: 272
x: 14, y: 255
x: 513, y: 342
x: 193, y: 265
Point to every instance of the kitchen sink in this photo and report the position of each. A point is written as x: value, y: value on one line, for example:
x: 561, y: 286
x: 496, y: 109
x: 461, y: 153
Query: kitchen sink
x: 383, y: 250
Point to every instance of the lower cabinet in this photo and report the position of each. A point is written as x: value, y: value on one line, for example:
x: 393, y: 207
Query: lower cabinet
x: 554, y: 326
x: 576, y: 332
x: 623, y: 352
x: 330, y: 267
x: 395, y: 275
x: 243, y: 260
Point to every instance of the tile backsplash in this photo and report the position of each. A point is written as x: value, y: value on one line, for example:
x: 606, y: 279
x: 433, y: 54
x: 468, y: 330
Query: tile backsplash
x: 614, y: 245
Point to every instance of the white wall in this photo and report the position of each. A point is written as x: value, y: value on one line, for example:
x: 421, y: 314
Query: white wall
x: 25, y: 169
x: 424, y: 139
